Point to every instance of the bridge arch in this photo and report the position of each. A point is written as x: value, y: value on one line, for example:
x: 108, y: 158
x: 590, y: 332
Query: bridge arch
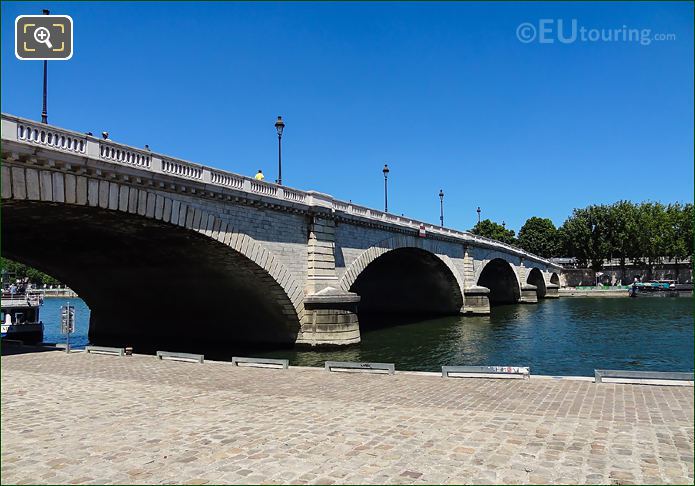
x: 499, y: 276
x: 535, y: 277
x: 203, y: 279
x: 555, y: 279
x: 403, y: 275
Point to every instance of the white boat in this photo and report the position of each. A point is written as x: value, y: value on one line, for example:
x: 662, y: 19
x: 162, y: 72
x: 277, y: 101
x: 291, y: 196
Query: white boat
x: 20, y: 315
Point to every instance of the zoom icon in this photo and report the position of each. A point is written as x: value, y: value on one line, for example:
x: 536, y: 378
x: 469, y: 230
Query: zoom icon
x: 43, y: 37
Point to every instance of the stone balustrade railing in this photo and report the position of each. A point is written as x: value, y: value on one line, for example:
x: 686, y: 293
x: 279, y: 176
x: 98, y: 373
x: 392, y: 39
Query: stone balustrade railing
x: 114, y: 152
x: 50, y: 137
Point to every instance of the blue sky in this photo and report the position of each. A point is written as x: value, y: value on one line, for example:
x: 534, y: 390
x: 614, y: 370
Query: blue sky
x: 445, y: 93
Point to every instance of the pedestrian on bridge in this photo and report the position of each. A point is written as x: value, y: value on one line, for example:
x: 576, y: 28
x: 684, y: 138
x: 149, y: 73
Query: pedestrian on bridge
x: 260, y: 176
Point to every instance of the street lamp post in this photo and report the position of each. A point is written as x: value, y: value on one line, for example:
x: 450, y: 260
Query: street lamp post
x: 441, y: 207
x: 386, y: 171
x: 478, y: 211
x: 44, y: 112
x: 279, y: 126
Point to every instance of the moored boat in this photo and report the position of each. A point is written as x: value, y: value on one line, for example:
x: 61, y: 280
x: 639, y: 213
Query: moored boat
x: 20, y: 314
x: 660, y: 288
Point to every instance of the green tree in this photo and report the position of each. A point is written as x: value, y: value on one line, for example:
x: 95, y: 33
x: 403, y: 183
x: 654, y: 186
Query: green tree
x: 585, y: 236
x: 623, y: 228
x: 539, y: 236
x: 654, y: 234
x: 492, y: 230
x: 679, y: 229
x: 21, y: 271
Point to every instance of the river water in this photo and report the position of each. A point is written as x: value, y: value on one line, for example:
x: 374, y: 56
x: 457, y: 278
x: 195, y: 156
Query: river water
x: 566, y: 336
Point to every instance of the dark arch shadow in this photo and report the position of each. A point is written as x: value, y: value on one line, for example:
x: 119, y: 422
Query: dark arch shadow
x: 149, y: 283
x: 555, y: 279
x: 406, y: 284
x: 499, y: 277
x: 535, y: 277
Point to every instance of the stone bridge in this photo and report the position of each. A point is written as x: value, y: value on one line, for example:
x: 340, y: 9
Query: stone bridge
x: 162, y: 249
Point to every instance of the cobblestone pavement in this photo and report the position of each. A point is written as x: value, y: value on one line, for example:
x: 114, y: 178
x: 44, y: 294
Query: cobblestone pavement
x: 82, y: 418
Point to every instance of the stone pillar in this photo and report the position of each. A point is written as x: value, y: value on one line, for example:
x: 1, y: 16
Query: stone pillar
x: 476, y: 299
x: 321, y: 255
x: 529, y: 294
x: 330, y: 317
x: 552, y: 291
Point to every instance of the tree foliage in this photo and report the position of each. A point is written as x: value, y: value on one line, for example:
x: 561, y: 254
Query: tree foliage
x: 539, y: 236
x: 623, y: 230
x: 21, y: 271
x: 492, y: 230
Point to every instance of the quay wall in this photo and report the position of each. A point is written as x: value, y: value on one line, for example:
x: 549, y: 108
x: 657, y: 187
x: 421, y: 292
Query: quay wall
x: 612, y: 275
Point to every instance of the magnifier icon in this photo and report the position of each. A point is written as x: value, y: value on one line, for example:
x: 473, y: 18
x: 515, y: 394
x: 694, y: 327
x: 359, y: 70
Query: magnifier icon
x: 43, y: 36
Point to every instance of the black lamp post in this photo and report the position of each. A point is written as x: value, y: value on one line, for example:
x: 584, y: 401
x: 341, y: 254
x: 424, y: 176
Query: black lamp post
x: 478, y: 211
x: 386, y: 171
x: 504, y: 225
x: 44, y: 112
x: 441, y: 207
x: 279, y: 126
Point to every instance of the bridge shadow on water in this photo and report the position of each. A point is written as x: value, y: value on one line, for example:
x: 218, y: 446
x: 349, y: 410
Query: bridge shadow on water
x: 225, y: 351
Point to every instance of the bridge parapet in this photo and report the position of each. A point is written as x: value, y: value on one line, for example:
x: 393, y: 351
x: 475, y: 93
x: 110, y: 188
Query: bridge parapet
x: 37, y: 135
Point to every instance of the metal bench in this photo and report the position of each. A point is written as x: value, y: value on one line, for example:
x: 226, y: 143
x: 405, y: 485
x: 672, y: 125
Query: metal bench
x: 599, y: 375
x: 390, y: 368
x: 283, y: 363
x: 489, y: 371
x: 180, y: 356
x: 105, y: 350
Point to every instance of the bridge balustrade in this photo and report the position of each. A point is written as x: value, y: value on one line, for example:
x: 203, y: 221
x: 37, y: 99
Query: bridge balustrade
x: 182, y: 169
x: 51, y: 137
x: 125, y: 156
x: 73, y: 142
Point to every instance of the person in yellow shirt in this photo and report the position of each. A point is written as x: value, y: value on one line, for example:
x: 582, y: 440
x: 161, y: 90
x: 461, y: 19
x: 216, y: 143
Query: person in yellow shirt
x: 260, y: 176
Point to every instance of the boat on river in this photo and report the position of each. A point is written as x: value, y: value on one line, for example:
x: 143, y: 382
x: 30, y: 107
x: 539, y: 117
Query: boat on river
x: 20, y: 314
x: 660, y: 288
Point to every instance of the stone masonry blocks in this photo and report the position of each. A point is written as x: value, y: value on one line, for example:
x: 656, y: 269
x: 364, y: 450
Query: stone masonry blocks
x: 70, y: 189
x: 33, y: 184
x: 58, y: 184
x: 46, y: 183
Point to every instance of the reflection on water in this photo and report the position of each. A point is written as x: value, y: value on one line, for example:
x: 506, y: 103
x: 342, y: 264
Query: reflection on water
x: 570, y: 336
x: 50, y: 315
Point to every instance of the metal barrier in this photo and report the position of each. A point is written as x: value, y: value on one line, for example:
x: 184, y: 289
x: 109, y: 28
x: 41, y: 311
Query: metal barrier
x: 284, y: 363
x: 105, y: 350
x: 390, y: 368
x: 13, y: 342
x: 180, y: 356
x: 495, y: 371
x: 643, y: 375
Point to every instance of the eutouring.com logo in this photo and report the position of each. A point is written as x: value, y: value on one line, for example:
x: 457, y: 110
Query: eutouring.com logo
x: 550, y: 31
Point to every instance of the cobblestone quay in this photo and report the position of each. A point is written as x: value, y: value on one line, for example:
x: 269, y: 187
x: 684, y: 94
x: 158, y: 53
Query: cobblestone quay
x: 100, y: 419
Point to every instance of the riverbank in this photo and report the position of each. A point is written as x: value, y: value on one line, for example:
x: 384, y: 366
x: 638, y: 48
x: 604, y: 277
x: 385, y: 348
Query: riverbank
x: 593, y: 292
x: 65, y: 293
x: 519, y: 335
x: 136, y: 419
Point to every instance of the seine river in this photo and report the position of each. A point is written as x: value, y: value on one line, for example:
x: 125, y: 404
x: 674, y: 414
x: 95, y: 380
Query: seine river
x: 566, y: 336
